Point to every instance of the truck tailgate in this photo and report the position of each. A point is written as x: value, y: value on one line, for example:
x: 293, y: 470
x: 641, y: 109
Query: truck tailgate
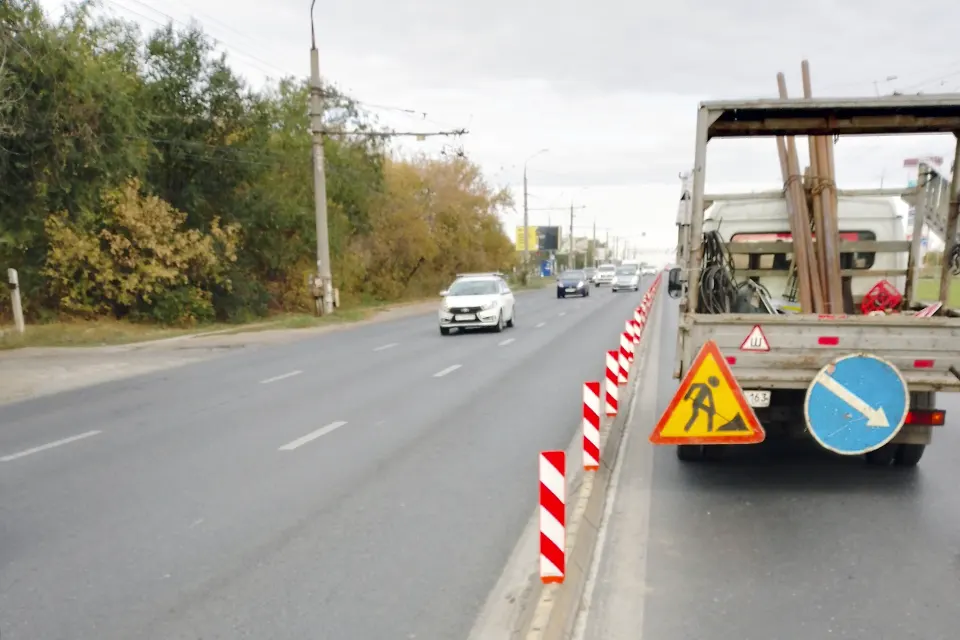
x: 800, y: 345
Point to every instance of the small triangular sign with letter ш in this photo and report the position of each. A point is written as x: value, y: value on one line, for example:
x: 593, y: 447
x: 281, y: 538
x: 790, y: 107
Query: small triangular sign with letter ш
x: 755, y: 340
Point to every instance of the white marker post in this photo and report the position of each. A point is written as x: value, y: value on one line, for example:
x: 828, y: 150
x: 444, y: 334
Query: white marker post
x: 15, y: 302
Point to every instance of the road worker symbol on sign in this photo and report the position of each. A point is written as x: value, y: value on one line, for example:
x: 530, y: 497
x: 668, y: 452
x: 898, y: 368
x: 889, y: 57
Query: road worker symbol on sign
x: 709, y: 407
x: 701, y: 396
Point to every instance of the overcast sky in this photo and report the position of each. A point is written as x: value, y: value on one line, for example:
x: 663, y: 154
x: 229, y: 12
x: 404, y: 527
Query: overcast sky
x: 610, y: 88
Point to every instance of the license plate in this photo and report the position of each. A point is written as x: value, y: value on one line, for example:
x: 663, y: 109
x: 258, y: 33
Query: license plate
x: 571, y: 289
x: 756, y: 398
x: 465, y: 316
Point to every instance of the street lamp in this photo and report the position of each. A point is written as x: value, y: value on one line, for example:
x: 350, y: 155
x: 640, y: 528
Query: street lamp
x: 526, y: 217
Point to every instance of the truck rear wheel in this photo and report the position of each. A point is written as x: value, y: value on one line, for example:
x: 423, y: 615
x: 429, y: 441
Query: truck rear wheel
x: 908, y: 455
x: 700, y: 452
x: 884, y: 456
x: 690, y: 452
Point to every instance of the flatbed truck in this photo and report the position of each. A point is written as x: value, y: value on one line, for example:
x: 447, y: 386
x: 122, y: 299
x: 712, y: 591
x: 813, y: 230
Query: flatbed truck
x: 926, y: 350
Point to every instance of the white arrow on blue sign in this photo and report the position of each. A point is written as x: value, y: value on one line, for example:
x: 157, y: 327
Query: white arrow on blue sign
x: 856, y: 404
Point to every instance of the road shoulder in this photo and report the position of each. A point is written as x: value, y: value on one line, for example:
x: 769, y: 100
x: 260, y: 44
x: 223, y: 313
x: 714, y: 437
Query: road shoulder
x: 612, y: 606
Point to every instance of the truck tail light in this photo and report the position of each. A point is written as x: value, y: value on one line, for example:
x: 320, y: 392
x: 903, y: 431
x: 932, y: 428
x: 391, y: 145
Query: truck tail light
x: 923, y: 364
x: 926, y: 417
x: 828, y: 341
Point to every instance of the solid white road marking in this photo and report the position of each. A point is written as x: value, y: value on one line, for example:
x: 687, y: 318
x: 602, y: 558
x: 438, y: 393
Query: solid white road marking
x: 49, y: 445
x: 540, y: 325
x: 506, y: 342
x: 281, y: 377
x: 443, y: 372
x: 386, y: 346
x: 875, y: 417
x: 313, y: 435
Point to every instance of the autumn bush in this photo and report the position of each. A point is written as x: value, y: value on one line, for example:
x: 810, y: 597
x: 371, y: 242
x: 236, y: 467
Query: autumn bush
x: 137, y: 259
x: 141, y: 178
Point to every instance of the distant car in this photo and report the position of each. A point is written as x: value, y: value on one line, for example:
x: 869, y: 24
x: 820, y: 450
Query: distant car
x: 626, y: 277
x: 477, y: 301
x: 573, y: 283
x: 591, y: 273
x: 605, y: 274
x: 648, y: 270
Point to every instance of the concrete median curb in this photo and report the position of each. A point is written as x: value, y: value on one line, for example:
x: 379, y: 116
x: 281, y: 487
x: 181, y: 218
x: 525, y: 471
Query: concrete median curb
x: 556, y: 605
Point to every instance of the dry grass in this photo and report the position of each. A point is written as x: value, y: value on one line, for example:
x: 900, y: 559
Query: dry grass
x: 92, y: 333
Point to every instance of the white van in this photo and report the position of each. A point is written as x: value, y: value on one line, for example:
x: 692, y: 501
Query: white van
x: 765, y: 220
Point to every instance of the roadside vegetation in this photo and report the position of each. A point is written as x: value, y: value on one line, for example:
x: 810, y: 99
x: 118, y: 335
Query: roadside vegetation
x: 142, y: 182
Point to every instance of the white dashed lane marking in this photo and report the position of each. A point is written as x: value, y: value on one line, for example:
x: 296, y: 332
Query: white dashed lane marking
x: 281, y: 377
x: 443, y: 372
x: 313, y: 435
x: 49, y: 445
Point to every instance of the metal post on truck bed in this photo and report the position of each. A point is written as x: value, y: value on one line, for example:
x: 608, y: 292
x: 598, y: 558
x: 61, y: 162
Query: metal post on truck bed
x: 950, y: 241
x: 920, y: 204
x: 695, y: 264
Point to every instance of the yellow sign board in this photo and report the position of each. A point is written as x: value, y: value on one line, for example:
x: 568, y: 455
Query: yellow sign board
x: 709, y: 407
x: 533, y: 243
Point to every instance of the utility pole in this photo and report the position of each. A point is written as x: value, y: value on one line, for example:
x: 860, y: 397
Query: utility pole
x: 573, y: 262
x: 324, y: 301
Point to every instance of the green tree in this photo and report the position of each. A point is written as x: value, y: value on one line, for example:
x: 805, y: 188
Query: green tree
x: 142, y: 178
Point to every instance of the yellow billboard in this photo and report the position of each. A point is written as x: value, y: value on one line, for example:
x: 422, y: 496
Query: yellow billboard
x: 532, y: 244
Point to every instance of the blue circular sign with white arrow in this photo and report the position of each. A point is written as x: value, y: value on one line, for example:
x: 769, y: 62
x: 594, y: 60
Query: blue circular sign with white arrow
x: 856, y: 404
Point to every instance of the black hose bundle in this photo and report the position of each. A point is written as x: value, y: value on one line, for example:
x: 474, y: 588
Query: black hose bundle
x: 718, y: 289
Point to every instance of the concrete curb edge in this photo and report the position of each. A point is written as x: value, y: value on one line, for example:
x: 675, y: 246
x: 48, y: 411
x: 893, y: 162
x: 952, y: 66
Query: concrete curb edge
x: 556, y: 606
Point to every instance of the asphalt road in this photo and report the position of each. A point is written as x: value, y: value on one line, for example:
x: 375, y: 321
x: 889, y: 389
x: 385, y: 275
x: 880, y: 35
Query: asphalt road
x: 777, y: 543
x: 363, y: 484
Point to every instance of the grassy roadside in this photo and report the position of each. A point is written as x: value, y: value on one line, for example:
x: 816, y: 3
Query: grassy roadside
x: 928, y: 290
x: 105, y: 332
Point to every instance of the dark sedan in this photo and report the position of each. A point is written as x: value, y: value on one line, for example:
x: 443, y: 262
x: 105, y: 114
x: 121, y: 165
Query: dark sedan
x: 572, y: 283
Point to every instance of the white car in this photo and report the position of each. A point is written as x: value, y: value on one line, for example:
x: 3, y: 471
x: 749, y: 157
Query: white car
x: 605, y: 274
x: 477, y: 301
x: 648, y: 270
x: 626, y: 277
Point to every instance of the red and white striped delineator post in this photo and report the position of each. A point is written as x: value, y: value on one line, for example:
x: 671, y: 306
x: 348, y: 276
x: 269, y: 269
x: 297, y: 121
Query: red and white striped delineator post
x: 637, y: 326
x: 591, y: 426
x: 622, y: 359
x: 631, y: 339
x: 553, y: 489
x: 613, y: 369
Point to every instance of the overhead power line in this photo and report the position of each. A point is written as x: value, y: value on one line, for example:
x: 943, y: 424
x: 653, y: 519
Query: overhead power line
x: 255, y: 61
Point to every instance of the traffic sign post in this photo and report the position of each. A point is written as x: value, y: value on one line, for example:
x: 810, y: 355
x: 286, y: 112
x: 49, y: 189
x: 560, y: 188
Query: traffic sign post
x: 856, y: 404
x: 709, y: 407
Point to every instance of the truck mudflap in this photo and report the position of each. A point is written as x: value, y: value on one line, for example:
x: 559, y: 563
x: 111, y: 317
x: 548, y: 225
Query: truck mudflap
x: 799, y: 346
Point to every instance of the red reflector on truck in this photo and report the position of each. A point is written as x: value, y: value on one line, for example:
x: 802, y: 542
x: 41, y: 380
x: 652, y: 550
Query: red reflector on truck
x: 731, y: 360
x: 923, y: 364
x: 828, y: 341
x: 926, y: 417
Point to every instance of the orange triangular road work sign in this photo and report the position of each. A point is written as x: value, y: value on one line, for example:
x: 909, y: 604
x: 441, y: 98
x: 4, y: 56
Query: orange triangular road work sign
x: 709, y: 407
